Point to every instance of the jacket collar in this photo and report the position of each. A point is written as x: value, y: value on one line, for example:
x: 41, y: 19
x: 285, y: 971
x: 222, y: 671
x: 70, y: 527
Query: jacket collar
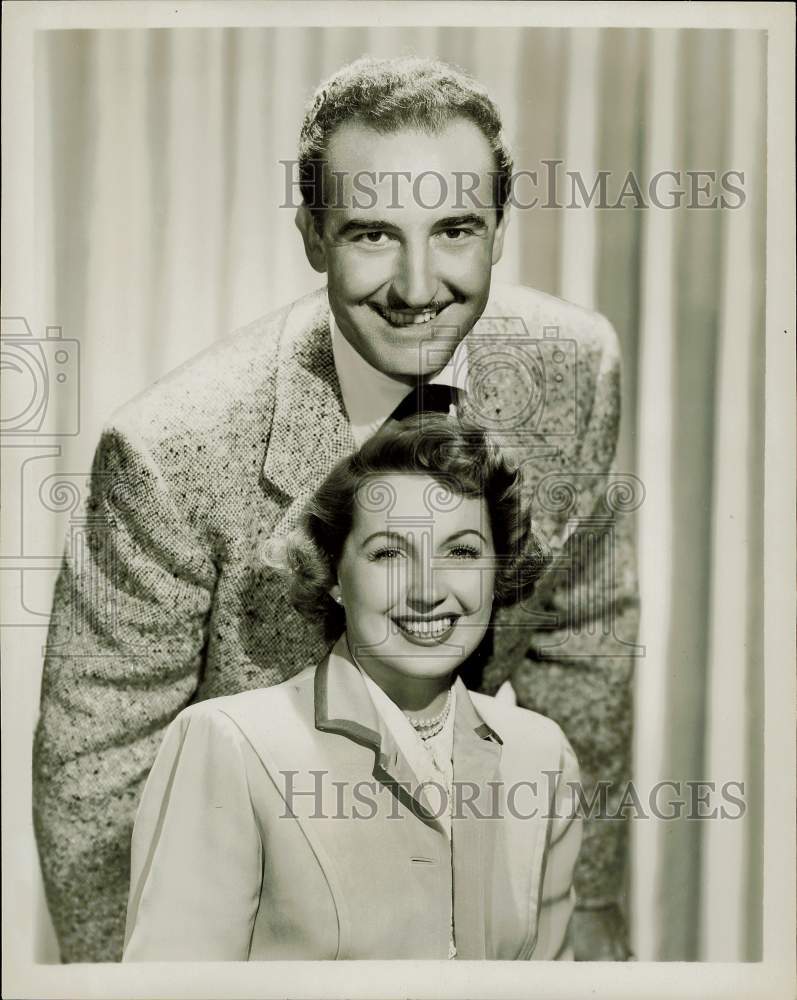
x: 343, y: 706
x: 477, y: 754
x: 309, y: 413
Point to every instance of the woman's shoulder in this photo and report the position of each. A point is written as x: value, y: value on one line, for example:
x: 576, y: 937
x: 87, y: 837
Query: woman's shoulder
x: 511, y: 722
x: 296, y: 692
x: 529, y: 740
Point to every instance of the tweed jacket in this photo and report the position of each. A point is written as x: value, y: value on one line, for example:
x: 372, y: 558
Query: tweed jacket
x: 170, y: 601
x: 285, y: 823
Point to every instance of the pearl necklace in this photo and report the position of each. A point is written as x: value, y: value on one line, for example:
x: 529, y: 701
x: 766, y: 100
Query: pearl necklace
x: 426, y: 728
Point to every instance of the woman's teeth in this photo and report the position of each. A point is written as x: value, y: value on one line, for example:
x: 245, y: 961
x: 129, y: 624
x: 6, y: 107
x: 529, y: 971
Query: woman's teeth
x: 432, y: 628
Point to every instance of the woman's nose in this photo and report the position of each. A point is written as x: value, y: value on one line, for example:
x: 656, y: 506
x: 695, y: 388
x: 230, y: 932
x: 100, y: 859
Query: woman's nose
x: 426, y: 587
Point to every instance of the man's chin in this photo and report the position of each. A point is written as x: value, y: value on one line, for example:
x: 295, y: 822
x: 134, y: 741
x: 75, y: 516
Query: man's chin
x: 407, y: 374
x: 408, y: 352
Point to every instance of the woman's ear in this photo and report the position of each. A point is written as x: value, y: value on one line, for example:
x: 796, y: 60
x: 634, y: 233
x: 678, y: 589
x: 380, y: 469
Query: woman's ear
x: 313, y: 243
x: 335, y: 594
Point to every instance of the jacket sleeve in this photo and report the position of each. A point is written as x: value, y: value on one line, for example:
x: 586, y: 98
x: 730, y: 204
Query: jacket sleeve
x: 196, y: 858
x: 575, y: 663
x: 557, y: 895
x: 124, y: 652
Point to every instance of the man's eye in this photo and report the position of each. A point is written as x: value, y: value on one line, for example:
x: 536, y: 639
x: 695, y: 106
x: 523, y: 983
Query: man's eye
x: 377, y: 238
x: 388, y: 552
x: 456, y: 235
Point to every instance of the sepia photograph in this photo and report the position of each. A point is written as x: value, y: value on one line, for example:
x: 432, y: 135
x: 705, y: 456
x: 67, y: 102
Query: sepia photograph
x: 398, y: 499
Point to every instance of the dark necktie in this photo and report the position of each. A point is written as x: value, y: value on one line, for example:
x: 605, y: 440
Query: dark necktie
x: 423, y: 399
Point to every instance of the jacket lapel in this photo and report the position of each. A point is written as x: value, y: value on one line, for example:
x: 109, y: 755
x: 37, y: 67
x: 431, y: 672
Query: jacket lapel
x: 310, y: 431
x: 343, y: 706
x: 477, y: 754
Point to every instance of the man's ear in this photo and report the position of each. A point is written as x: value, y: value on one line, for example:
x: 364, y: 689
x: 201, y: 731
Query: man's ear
x: 313, y: 244
x: 500, y: 233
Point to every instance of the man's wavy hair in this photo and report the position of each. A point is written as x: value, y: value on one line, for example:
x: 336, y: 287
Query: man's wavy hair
x: 388, y: 95
x: 461, y: 459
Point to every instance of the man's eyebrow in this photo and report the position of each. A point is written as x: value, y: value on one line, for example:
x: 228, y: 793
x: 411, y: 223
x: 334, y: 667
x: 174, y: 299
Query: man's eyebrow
x: 355, y: 226
x: 363, y: 226
x: 474, y: 221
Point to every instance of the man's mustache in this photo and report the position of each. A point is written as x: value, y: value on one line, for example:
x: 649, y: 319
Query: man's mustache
x: 397, y: 304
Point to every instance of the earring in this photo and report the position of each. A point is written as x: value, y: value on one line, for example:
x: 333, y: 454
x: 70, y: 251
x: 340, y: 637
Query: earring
x: 339, y: 599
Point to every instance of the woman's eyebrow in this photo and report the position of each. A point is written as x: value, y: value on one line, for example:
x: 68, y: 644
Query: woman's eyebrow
x: 394, y: 536
x: 465, y: 531
x: 406, y: 540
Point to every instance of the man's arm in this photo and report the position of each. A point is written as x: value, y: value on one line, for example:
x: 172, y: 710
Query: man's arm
x: 585, y: 686
x: 124, y: 653
x: 569, y: 649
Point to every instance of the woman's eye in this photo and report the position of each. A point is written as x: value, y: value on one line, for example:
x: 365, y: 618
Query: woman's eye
x: 464, y: 552
x: 385, y: 553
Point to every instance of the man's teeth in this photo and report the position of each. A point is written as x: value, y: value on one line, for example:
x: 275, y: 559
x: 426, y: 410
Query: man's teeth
x: 431, y: 628
x: 410, y: 319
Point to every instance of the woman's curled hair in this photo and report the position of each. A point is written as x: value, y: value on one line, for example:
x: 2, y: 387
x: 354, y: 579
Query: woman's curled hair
x: 460, y: 458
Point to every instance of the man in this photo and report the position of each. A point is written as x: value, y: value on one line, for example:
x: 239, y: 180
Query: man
x: 174, y: 601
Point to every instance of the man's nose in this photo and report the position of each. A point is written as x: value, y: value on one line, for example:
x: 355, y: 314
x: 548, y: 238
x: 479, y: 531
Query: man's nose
x: 415, y: 283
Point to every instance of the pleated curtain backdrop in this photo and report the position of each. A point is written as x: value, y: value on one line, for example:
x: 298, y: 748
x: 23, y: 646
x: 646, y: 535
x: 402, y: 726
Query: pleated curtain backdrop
x: 159, y: 229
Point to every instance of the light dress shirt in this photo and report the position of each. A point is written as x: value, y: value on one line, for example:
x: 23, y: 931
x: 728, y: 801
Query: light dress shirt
x: 370, y: 396
x: 431, y: 760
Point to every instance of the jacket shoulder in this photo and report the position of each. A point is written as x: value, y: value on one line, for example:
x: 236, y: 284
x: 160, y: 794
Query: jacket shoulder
x: 248, y: 708
x: 539, y: 310
x: 520, y: 727
x: 229, y: 383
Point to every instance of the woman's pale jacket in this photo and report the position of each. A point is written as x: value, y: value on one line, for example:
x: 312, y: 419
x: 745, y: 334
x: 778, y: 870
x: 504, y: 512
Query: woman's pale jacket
x: 285, y: 823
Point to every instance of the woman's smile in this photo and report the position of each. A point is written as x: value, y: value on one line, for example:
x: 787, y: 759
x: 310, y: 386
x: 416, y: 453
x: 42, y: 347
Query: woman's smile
x: 419, y: 574
x: 427, y: 631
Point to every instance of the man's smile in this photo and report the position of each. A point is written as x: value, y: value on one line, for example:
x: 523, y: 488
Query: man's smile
x: 408, y: 317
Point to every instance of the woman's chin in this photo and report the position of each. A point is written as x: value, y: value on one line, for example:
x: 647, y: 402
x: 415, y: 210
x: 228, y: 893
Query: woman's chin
x: 427, y: 662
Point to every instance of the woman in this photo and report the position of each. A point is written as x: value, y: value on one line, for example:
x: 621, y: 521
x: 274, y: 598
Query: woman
x: 372, y: 807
